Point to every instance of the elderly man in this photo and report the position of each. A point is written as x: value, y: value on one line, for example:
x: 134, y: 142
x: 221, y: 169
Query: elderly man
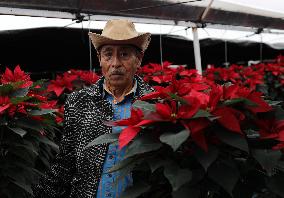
x: 79, y: 171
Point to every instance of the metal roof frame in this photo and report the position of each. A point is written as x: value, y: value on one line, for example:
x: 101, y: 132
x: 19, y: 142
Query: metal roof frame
x: 146, y: 11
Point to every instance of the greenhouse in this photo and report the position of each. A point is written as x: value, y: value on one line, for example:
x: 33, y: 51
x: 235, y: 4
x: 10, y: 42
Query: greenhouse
x: 191, y: 106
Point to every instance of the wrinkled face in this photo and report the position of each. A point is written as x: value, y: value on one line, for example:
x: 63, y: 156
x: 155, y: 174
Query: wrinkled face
x: 119, y: 64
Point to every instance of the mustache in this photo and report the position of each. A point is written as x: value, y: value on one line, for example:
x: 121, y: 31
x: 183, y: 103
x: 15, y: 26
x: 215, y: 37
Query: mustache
x: 117, y: 72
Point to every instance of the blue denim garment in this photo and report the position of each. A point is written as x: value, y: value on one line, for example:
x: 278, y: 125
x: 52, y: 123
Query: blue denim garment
x: 106, y: 187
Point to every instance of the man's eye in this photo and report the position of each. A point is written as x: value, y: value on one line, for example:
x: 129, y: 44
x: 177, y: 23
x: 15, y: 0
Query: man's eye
x: 107, y: 54
x: 124, y: 54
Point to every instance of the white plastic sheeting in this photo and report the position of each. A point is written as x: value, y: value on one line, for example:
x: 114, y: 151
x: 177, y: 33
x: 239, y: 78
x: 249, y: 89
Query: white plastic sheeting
x: 275, y: 38
x: 268, y: 8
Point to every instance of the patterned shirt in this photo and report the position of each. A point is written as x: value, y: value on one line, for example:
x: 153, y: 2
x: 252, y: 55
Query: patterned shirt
x: 107, y: 187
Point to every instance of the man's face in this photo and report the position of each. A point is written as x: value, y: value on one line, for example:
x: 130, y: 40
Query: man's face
x: 119, y: 64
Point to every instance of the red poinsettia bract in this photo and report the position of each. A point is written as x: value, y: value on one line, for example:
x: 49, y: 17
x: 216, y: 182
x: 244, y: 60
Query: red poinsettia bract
x: 61, y: 82
x: 196, y: 128
x: 17, y: 76
x: 171, y: 112
x: 89, y: 77
x: 272, y: 129
x: 133, y: 124
x: 255, y: 97
x: 228, y: 117
x: 5, y: 103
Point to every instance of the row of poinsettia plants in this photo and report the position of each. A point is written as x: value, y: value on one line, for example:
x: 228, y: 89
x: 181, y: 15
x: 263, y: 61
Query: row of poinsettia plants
x: 205, y: 136
x: 210, y: 136
x: 27, y: 128
x: 31, y: 116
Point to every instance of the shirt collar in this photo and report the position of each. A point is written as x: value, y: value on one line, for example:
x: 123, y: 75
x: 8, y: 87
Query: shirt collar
x: 107, y: 91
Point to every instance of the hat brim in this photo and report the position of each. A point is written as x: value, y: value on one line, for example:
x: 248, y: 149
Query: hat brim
x: 141, y: 41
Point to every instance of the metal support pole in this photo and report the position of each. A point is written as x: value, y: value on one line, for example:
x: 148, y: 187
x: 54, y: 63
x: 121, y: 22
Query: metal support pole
x: 226, y: 54
x: 260, y: 48
x: 204, y: 14
x: 90, y: 46
x: 196, y: 47
x: 161, y: 48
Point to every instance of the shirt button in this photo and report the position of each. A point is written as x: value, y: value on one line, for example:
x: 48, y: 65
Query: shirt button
x: 109, y: 175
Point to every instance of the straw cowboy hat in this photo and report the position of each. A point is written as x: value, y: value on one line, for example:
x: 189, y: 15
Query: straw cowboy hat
x: 120, y: 31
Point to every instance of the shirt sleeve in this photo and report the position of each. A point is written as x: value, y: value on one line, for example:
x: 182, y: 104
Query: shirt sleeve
x: 56, y: 181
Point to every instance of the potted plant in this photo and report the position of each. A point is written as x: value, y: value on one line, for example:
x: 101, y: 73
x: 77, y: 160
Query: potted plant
x: 195, y: 138
x: 27, y: 129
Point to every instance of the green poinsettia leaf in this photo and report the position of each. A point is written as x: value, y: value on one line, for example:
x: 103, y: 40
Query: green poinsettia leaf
x: 156, y: 162
x: 249, y: 103
x: 233, y: 139
x: 142, y: 144
x: 29, y: 124
x: 3, y: 121
x: 22, y: 172
x: 177, y: 176
x: 177, y: 98
x: 263, y: 88
x: 279, y: 113
x: 144, y: 106
x: 18, y: 131
x: 124, y: 172
x: 268, y: 159
x: 206, y: 158
x: 20, y: 92
x: 45, y: 161
x: 25, y: 155
x: 239, y: 100
x: 18, y: 100
x: 5, y: 89
x: 225, y: 173
x: 122, y: 164
x: 105, y: 139
x: 45, y: 140
x: 42, y: 112
x: 14, y: 175
x: 276, y: 184
x: 28, y: 146
x: 233, y: 101
x: 175, y: 139
x: 24, y: 186
x: 252, y: 134
x: 38, y: 82
x: 201, y: 114
x: 17, y: 84
x: 273, y: 102
x: 277, y: 84
x: 135, y: 190
x: 186, y: 191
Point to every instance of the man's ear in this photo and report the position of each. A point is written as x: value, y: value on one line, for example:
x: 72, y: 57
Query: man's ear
x: 99, y: 57
x: 140, y: 56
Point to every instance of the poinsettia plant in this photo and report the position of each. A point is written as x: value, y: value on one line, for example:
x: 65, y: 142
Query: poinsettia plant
x: 265, y: 77
x: 72, y: 80
x: 64, y: 84
x: 27, y: 129
x: 194, y: 138
x: 156, y: 74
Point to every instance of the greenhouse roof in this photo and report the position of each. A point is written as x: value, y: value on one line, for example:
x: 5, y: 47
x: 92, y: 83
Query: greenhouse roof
x: 245, y: 13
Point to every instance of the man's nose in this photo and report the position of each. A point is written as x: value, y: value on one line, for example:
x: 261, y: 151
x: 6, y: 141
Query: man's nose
x: 115, y: 62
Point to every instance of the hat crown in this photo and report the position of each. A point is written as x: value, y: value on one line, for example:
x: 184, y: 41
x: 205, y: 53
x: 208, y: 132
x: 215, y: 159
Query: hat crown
x: 119, y: 30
